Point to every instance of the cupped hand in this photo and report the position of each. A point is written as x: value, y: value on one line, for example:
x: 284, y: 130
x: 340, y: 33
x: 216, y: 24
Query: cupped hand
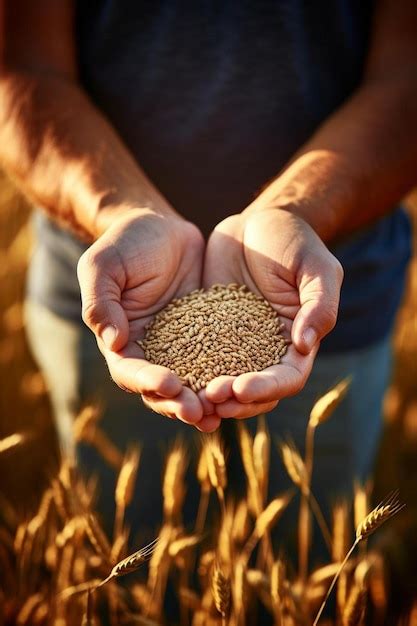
x: 140, y: 263
x: 279, y: 256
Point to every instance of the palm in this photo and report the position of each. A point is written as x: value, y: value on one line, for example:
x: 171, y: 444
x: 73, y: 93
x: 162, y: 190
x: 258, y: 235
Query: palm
x: 126, y: 277
x: 263, y: 253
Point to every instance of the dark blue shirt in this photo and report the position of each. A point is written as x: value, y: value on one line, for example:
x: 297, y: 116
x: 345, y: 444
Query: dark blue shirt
x: 213, y: 98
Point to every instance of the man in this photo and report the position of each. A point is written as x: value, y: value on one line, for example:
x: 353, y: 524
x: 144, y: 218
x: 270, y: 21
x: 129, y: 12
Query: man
x: 283, y: 132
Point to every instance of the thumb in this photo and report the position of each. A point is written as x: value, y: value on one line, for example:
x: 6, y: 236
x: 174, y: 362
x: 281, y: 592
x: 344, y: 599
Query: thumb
x: 100, y: 278
x: 319, y: 300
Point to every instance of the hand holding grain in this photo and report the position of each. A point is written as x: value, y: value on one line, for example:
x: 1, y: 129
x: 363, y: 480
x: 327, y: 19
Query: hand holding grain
x: 279, y: 256
x: 140, y: 263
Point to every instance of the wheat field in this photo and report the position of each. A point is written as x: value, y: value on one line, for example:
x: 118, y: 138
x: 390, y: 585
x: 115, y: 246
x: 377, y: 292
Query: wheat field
x: 57, y: 566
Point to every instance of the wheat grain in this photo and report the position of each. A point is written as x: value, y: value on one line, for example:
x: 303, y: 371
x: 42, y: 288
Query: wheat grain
x: 224, y: 330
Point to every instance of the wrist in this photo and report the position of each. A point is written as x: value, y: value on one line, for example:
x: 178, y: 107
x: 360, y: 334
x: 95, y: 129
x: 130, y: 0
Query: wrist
x: 110, y: 213
x: 316, y: 187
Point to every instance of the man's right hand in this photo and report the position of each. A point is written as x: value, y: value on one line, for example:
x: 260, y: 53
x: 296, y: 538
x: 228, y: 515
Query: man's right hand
x: 140, y: 263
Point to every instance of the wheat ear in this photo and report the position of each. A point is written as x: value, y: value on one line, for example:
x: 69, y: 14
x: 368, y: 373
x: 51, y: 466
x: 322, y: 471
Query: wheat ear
x: 173, y: 486
x: 296, y: 470
x: 12, y: 441
x: 389, y: 507
x: 216, y: 466
x: 220, y: 587
x: 130, y: 563
x: 125, y: 487
x: 320, y: 413
x: 265, y: 521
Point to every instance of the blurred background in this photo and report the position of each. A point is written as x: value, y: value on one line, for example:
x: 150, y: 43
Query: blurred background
x: 24, y: 405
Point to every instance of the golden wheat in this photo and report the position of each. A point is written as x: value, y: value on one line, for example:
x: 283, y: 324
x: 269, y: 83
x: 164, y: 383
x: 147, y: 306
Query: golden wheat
x: 224, y: 330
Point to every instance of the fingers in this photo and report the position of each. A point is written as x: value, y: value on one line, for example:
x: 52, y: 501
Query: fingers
x: 275, y: 382
x: 236, y: 409
x: 208, y: 424
x: 137, y: 375
x: 319, y: 300
x: 208, y: 407
x: 185, y: 406
x: 220, y: 389
x: 101, y: 276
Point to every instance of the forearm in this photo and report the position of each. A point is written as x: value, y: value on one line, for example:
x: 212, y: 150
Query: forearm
x: 359, y: 163
x: 64, y: 154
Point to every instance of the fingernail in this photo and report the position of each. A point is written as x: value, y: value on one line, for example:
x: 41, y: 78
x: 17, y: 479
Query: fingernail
x: 108, y: 335
x: 310, y: 338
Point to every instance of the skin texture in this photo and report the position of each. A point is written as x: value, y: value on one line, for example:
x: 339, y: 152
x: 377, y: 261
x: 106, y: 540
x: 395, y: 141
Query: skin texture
x: 66, y: 157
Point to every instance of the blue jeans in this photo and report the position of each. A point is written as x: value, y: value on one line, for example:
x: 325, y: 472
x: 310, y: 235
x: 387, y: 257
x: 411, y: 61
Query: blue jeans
x: 345, y: 445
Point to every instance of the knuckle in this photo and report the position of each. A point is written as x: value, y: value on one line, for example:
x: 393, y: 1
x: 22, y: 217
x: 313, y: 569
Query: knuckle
x: 86, y: 261
x: 90, y: 312
x: 93, y: 259
x: 329, y: 316
x: 299, y: 385
x: 229, y: 224
x: 339, y: 271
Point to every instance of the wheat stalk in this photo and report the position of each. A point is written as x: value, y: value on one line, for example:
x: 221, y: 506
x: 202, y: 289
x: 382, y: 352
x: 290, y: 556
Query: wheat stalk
x: 354, y: 610
x: 261, y: 454
x: 261, y: 459
x: 97, y: 536
x: 159, y: 567
x: 86, y: 429
x: 246, y: 452
x: 205, y: 484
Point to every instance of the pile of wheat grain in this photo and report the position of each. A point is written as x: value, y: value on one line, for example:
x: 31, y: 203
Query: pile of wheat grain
x: 224, y: 330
